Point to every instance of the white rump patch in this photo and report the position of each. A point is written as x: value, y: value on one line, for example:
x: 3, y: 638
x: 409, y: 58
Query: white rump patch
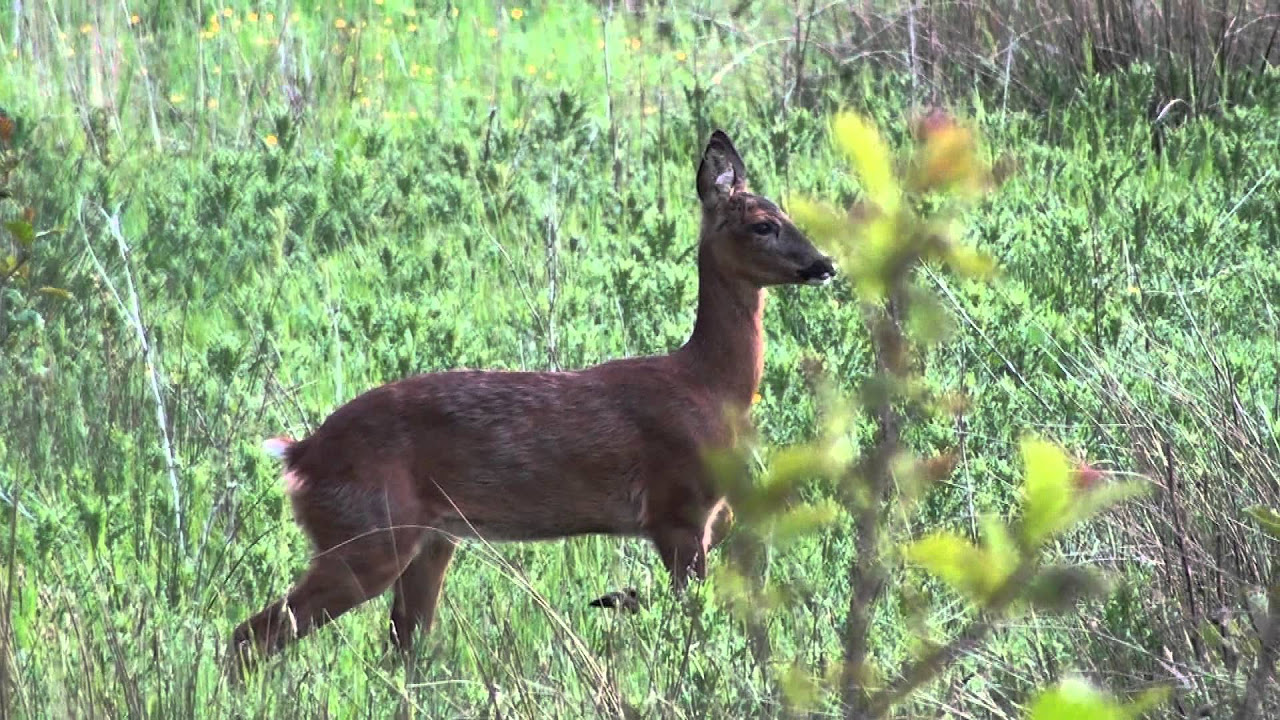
x: 276, y: 446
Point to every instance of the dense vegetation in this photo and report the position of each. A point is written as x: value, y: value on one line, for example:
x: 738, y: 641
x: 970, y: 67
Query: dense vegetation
x: 242, y: 216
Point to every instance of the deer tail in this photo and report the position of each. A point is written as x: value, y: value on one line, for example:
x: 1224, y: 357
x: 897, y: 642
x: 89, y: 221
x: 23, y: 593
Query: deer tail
x: 278, y: 447
x: 282, y: 448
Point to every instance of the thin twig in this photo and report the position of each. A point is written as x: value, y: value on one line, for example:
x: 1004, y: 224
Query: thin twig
x: 132, y: 313
x: 866, y: 575
x: 929, y: 666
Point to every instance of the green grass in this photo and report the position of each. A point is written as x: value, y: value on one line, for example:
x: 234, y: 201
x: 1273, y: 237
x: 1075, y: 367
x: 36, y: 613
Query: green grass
x: 436, y: 197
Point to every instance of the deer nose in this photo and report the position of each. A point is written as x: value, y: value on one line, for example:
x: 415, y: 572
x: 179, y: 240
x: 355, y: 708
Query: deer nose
x: 819, y: 272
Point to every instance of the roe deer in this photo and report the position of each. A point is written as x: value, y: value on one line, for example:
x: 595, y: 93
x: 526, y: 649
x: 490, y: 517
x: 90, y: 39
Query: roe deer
x: 391, y: 480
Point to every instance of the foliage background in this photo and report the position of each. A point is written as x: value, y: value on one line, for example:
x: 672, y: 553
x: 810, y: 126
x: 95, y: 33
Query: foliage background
x: 308, y: 199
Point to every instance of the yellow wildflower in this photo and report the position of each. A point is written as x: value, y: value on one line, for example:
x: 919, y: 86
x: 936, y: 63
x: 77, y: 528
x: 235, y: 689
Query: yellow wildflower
x: 340, y: 24
x: 270, y: 18
x: 211, y: 103
x: 531, y: 69
x: 492, y: 32
x: 227, y: 12
x: 271, y: 140
x: 635, y: 43
x: 253, y: 17
x: 517, y: 13
x: 411, y: 27
x: 177, y: 98
x: 86, y: 28
x: 134, y: 19
x: 681, y: 56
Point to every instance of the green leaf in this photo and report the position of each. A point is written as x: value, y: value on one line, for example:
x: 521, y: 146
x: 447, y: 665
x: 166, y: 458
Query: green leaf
x: 1103, y: 497
x: 998, y: 543
x: 802, y: 520
x: 969, y: 569
x: 870, y: 260
x: 1148, y: 700
x: 1267, y: 519
x: 22, y: 232
x: 787, y: 469
x: 1075, y: 699
x: 1047, y: 491
x: 970, y: 262
x: 820, y: 221
x: 801, y: 689
x: 861, y: 142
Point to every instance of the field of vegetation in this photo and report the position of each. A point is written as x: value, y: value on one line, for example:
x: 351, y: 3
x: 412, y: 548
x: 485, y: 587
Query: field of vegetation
x: 226, y: 219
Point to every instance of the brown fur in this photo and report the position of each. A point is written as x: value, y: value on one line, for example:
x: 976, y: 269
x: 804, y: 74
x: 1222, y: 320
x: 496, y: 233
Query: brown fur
x: 390, y: 480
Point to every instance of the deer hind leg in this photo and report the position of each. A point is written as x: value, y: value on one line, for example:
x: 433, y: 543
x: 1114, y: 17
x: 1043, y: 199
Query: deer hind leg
x: 362, y: 548
x: 418, y: 590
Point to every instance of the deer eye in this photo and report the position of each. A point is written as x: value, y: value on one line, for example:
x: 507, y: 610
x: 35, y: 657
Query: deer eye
x: 764, y: 228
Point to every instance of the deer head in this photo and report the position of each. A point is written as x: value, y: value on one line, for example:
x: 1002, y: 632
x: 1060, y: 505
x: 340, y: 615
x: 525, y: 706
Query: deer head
x: 747, y: 236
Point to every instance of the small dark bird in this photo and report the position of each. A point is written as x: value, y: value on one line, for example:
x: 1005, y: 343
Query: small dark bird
x: 626, y: 599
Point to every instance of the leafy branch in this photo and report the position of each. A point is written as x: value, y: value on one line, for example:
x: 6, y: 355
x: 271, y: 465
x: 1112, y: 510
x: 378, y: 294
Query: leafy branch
x: 909, y: 217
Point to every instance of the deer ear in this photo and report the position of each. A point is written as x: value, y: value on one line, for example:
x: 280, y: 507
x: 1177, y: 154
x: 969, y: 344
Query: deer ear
x: 721, y: 173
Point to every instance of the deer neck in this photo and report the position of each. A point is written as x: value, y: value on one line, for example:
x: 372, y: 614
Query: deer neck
x: 726, y: 349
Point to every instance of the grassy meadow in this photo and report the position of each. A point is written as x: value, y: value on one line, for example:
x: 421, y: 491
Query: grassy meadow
x: 244, y: 214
